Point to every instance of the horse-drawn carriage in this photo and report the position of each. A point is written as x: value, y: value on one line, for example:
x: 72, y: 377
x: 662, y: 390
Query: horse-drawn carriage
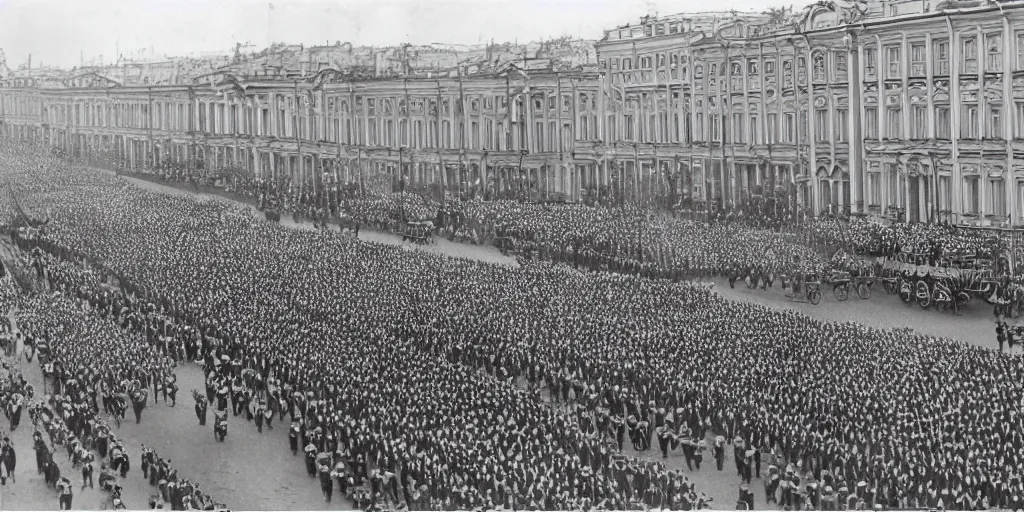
x: 842, y: 282
x: 946, y: 288
x: 419, y: 231
x: 849, y: 272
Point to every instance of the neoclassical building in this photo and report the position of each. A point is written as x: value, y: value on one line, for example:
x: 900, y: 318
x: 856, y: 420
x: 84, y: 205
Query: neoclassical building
x: 898, y: 109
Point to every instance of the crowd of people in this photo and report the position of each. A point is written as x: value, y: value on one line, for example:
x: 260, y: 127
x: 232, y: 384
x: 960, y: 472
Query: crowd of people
x: 440, y: 372
x: 630, y: 239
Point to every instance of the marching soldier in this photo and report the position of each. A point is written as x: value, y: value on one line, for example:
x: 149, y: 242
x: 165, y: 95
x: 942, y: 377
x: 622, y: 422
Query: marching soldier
x: 665, y: 437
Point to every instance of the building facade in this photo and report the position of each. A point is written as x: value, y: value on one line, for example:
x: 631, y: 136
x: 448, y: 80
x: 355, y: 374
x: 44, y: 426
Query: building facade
x: 896, y: 109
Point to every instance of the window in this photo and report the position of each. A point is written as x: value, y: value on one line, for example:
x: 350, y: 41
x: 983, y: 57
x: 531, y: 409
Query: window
x: 871, y: 123
x: 716, y: 132
x: 969, y: 122
x: 943, y: 123
x: 821, y: 125
x: 839, y: 58
x: 874, y: 188
x: 773, y: 128
x: 894, y: 123
x: 941, y: 57
x: 917, y: 60
x: 840, y: 119
x: 789, y: 130
x: 737, y: 127
x: 1020, y: 51
x: 971, y: 195
x: 752, y: 66
x: 893, y: 61
x: 870, y: 62
x: 995, y: 122
x: 919, y: 122
x: 993, y: 53
x: 698, y: 127
x: 818, y: 73
x: 970, y: 55
x: 996, y: 197
x: 945, y: 193
x: 754, y: 126
x: 769, y: 67
x: 896, y: 195
x: 1019, y: 133
x: 629, y: 119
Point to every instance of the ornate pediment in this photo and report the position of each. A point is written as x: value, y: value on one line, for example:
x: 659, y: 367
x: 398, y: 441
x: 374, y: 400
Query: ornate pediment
x: 993, y: 170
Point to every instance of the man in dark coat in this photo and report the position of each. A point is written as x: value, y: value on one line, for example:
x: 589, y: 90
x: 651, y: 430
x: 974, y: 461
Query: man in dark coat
x: 9, y: 459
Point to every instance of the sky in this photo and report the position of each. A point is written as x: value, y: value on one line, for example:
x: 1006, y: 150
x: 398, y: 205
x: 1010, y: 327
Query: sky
x: 63, y: 32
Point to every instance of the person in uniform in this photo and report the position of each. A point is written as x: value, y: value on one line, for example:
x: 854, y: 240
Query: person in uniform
x: 87, y: 469
x: 201, y: 407
x: 326, y: 482
x: 665, y: 437
x: 64, y: 493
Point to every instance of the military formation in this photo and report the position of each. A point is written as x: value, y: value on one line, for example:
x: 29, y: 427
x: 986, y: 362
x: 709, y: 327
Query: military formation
x: 424, y: 382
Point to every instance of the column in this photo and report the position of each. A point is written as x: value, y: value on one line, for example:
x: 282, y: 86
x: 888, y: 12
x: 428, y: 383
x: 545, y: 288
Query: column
x: 886, y: 169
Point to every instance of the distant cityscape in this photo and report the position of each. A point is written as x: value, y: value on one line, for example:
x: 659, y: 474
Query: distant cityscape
x: 907, y: 110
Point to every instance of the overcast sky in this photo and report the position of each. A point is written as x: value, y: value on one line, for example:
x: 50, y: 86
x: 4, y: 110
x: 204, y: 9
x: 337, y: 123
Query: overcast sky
x: 59, y: 32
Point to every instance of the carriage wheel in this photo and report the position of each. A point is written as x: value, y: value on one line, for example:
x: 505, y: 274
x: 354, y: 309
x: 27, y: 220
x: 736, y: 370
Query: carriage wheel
x: 841, y: 291
x: 814, y: 295
x: 863, y: 290
x: 923, y: 295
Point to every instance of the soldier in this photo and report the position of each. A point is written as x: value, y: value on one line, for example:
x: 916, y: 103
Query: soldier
x: 64, y: 493
x: 665, y: 436
x: 326, y: 483
x: 719, y: 452
x: 87, y: 470
x: 201, y: 407
x: 9, y: 459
